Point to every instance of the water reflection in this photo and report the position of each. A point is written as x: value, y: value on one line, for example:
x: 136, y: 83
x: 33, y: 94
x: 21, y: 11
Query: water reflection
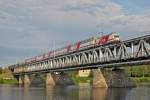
x: 139, y: 93
x: 117, y: 93
x: 33, y: 93
x: 86, y: 92
x: 99, y: 93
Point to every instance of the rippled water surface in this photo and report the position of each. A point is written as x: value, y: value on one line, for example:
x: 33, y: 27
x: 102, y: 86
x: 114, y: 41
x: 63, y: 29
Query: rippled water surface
x: 14, y: 92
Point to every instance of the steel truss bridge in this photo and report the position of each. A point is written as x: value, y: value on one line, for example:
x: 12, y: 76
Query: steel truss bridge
x: 130, y: 52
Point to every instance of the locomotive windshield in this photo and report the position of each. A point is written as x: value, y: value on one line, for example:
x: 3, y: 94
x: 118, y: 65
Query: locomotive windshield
x: 117, y: 36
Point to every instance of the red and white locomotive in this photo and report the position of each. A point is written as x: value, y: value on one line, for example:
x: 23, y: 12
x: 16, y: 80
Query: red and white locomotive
x: 94, y: 41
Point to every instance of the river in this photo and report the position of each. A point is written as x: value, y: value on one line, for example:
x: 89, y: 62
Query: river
x: 15, y: 92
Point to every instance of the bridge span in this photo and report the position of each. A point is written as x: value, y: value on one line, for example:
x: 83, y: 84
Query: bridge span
x: 130, y: 52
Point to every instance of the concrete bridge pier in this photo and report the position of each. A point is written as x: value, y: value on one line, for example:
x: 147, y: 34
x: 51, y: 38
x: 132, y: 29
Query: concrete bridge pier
x: 63, y: 78
x: 99, y: 79
x: 27, y: 79
x: 111, y: 78
x: 20, y: 80
x: 23, y: 79
x: 58, y: 78
x: 49, y: 79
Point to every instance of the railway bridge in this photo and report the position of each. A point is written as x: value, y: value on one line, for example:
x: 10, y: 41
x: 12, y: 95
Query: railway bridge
x: 135, y: 51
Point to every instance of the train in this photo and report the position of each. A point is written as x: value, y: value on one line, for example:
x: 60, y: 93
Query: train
x: 85, y: 44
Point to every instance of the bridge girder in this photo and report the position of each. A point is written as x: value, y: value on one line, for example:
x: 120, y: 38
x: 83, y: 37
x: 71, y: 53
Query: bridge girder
x: 127, y: 51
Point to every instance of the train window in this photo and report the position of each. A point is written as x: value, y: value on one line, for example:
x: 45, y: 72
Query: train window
x: 46, y: 62
x: 116, y: 36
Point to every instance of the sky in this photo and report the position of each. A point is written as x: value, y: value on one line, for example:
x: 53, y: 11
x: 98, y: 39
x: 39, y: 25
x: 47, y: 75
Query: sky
x: 32, y: 27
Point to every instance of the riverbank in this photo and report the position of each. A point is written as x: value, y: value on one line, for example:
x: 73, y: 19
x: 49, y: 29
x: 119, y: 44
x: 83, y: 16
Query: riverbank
x: 142, y: 81
x: 6, y: 77
x: 139, y: 81
x: 139, y: 75
x: 8, y: 81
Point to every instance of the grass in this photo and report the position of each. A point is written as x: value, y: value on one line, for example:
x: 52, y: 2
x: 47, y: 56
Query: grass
x: 8, y: 81
x: 142, y: 80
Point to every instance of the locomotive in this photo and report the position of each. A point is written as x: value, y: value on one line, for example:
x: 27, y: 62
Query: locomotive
x: 94, y: 41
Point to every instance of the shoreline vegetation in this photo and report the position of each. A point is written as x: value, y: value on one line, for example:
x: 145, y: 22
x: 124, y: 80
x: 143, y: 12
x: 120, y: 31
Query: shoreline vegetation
x: 6, y: 77
x: 142, y: 81
x: 77, y: 79
x: 140, y: 74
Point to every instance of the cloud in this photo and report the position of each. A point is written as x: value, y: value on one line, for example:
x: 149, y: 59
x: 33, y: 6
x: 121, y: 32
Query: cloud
x: 110, y: 16
x: 94, y: 7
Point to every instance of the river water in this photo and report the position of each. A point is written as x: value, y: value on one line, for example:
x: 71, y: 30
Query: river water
x: 15, y: 92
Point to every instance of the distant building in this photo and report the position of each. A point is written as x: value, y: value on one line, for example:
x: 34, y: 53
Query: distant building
x: 84, y: 73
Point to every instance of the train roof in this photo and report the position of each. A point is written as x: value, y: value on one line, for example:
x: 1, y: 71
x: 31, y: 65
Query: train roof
x: 114, y: 33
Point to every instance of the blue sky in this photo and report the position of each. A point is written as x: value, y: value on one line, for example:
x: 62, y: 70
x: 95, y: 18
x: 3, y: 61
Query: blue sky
x: 134, y: 5
x: 30, y: 27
